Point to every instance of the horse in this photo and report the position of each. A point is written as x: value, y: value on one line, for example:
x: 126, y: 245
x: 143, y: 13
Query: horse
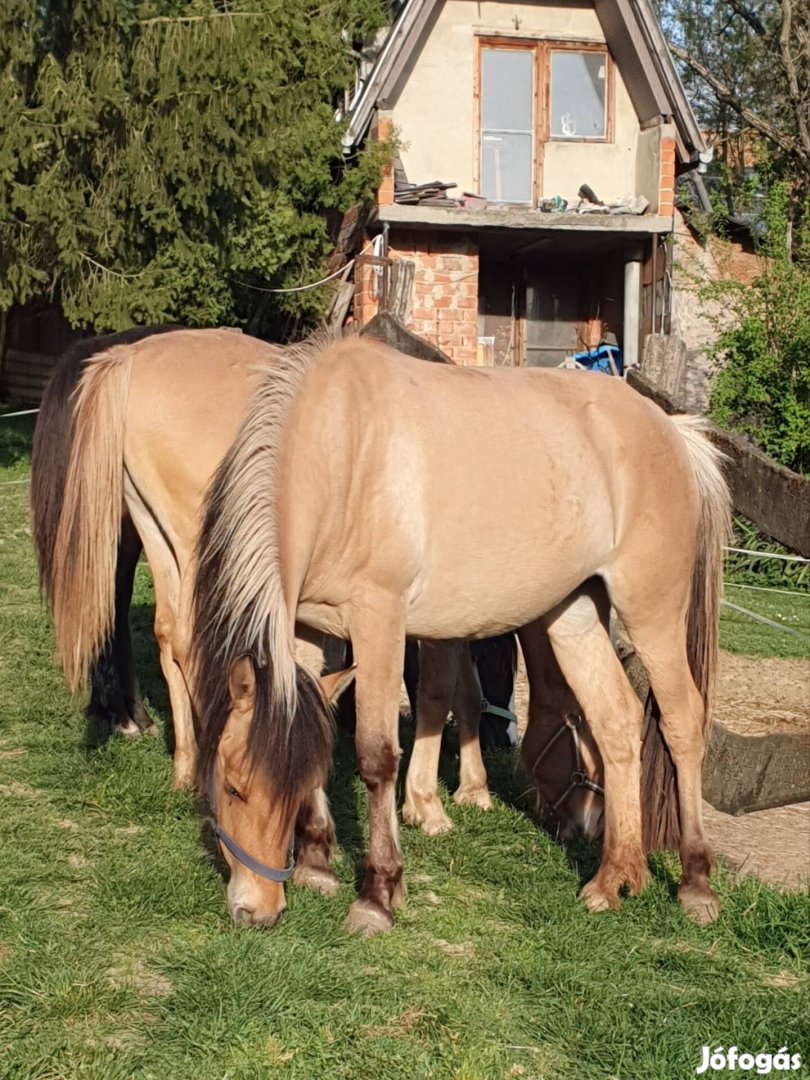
x: 359, y: 498
x: 119, y: 465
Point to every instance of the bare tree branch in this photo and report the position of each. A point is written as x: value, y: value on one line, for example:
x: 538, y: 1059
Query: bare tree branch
x: 787, y: 143
x: 801, y: 105
x: 748, y: 16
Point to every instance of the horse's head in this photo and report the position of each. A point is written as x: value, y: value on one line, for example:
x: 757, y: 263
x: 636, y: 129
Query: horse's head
x: 561, y: 756
x: 254, y: 821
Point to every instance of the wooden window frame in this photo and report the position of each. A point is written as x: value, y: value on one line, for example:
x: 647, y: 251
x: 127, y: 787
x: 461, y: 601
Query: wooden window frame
x: 542, y: 50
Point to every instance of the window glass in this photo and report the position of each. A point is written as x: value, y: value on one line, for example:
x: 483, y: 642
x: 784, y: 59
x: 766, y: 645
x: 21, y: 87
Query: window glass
x: 578, y: 95
x: 507, y: 124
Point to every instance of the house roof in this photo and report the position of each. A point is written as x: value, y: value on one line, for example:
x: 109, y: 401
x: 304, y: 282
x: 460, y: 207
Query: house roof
x: 632, y: 34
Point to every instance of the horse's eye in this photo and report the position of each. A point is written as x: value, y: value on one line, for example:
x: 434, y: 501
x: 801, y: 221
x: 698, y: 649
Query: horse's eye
x: 234, y: 794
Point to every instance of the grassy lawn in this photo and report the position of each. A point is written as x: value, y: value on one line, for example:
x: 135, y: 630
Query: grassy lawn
x: 117, y: 957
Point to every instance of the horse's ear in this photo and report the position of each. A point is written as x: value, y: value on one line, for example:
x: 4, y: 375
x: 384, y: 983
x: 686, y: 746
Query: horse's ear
x: 332, y: 686
x: 242, y: 684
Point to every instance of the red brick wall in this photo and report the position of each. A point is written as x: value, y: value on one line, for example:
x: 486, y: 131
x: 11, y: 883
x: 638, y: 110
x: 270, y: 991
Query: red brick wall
x: 666, y: 185
x: 366, y: 291
x: 445, y: 290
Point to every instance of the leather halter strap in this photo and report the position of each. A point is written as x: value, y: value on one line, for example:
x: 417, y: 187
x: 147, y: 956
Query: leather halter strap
x: 571, y: 723
x: 238, y: 852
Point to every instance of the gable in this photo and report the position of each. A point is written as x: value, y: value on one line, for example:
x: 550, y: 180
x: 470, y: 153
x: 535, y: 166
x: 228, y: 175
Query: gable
x: 629, y: 28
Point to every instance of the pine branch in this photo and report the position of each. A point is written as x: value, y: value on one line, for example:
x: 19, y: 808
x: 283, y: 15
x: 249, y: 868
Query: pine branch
x: 108, y: 270
x: 786, y: 143
x: 183, y: 19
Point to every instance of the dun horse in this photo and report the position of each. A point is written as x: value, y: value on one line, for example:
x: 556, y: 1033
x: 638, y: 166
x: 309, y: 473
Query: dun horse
x: 131, y: 430
x: 359, y: 498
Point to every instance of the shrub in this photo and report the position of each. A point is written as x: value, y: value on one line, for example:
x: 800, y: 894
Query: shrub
x: 763, y: 386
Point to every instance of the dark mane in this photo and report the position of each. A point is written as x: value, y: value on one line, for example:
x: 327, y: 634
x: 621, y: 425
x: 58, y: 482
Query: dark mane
x: 53, y: 437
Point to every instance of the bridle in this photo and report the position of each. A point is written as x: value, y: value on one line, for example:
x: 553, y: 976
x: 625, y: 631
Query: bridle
x: 571, y: 723
x: 238, y: 852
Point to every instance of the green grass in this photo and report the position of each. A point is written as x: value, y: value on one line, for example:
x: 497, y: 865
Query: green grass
x: 117, y: 957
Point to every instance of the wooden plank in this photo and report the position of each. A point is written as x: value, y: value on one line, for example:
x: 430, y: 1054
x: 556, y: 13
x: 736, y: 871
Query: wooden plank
x: 776, y: 499
x: 386, y: 328
x: 25, y: 376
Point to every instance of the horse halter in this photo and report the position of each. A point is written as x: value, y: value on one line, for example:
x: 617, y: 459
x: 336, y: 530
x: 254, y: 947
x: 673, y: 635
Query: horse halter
x: 572, y: 724
x: 238, y: 852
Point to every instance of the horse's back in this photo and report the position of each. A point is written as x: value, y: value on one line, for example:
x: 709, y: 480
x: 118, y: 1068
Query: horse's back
x: 187, y: 395
x: 459, y: 479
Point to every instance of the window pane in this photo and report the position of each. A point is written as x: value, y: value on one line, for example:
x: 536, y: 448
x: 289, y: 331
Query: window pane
x: 506, y: 167
x: 578, y: 95
x: 506, y: 91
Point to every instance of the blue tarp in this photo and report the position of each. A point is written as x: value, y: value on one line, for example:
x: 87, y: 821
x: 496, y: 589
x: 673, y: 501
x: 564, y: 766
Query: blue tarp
x: 597, y: 359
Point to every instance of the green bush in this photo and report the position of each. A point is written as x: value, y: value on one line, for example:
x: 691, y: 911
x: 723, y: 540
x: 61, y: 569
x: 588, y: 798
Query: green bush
x: 763, y: 386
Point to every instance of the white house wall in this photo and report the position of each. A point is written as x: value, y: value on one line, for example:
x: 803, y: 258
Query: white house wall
x: 434, y: 110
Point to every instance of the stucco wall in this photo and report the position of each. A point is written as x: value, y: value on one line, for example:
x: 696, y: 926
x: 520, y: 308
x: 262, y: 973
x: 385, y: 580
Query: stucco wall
x: 434, y: 109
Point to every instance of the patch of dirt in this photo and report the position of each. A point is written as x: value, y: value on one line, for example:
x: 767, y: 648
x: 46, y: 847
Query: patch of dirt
x: 78, y: 862
x: 10, y: 755
x: 66, y: 823
x: 399, y: 1027
x: 18, y: 790
x: 464, y: 949
x: 771, y: 844
x: 137, y: 976
x: 760, y: 696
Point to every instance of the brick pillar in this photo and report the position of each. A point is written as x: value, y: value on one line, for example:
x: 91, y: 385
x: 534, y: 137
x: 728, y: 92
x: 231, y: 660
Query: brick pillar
x: 445, y: 290
x: 381, y: 130
x: 666, y: 183
x: 366, y: 291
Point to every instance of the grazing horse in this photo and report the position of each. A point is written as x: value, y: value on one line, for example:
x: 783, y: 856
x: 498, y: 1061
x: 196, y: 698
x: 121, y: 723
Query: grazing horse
x: 131, y: 430
x: 360, y: 499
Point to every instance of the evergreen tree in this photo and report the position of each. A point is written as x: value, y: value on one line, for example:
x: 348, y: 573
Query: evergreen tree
x: 158, y: 156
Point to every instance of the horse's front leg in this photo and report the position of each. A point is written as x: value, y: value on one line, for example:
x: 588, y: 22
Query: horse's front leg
x: 315, y: 837
x: 378, y: 637
x: 438, y: 676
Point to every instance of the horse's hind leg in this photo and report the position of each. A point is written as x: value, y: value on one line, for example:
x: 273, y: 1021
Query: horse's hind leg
x: 578, y: 633
x: 115, y: 700
x: 129, y: 550
x: 472, y: 788
x: 438, y: 674
x: 660, y: 641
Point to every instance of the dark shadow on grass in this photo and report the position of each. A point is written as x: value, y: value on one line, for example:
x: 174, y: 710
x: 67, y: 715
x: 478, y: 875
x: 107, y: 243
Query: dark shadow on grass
x: 16, y: 436
x: 147, y: 667
x: 508, y: 783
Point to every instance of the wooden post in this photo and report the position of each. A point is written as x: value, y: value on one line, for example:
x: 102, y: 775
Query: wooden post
x: 632, y: 312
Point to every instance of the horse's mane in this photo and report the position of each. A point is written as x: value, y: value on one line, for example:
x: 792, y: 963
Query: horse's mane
x: 239, y: 604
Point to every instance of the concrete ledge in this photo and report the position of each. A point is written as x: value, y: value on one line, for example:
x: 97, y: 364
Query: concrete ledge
x: 514, y: 217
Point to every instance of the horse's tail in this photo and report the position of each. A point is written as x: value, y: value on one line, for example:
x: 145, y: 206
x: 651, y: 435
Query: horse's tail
x: 703, y: 620
x: 239, y: 606
x: 78, y: 503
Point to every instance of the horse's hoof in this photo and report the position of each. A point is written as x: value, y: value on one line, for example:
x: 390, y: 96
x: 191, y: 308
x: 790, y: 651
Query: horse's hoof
x: 367, y: 919
x: 596, y: 899
x: 473, y: 797
x: 126, y: 728
x: 699, y: 904
x: 431, y: 817
x: 317, y: 878
x: 183, y: 779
